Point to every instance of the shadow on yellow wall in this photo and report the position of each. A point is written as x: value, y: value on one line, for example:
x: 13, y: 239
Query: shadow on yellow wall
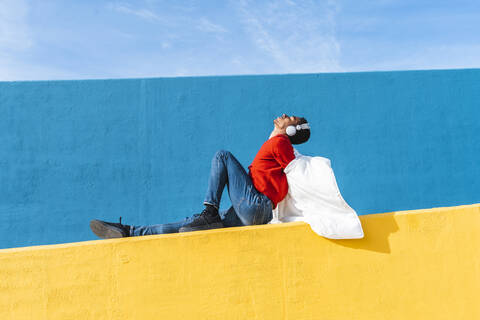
x: 377, y: 229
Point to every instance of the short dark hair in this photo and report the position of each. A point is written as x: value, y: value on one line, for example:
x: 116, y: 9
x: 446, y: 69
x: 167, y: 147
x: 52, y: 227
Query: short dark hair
x: 302, y: 135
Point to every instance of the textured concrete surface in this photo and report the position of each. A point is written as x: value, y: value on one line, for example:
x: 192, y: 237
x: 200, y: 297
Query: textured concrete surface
x: 141, y: 148
x: 422, y: 264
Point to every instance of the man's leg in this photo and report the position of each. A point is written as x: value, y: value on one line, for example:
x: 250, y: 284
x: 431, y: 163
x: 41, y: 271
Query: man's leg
x: 251, y: 206
x: 172, y: 227
x: 208, y: 219
x: 220, y: 169
x: 107, y: 230
x: 248, y: 205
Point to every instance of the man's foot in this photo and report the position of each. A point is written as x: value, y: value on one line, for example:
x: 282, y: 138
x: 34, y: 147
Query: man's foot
x: 108, y: 230
x: 208, y: 219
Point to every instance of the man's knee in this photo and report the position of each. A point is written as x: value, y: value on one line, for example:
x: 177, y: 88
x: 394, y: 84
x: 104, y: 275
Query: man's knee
x: 222, y: 154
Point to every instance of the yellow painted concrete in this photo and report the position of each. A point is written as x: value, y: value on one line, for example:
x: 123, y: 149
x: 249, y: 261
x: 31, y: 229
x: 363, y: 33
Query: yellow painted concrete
x: 422, y: 264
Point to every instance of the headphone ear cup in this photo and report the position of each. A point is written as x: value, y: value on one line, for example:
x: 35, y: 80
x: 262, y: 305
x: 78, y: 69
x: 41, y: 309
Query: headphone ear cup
x: 291, y: 131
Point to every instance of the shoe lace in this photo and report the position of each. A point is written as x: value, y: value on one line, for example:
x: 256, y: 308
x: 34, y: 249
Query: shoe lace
x: 196, y: 215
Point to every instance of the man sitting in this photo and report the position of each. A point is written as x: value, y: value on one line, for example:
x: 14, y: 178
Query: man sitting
x: 253, y: 195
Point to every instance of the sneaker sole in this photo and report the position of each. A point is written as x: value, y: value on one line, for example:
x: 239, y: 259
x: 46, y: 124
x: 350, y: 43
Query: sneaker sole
x: 204, y: 227
x: 104, y: 231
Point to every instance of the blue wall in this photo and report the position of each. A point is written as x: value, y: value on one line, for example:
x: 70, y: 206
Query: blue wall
x: 72, y: 151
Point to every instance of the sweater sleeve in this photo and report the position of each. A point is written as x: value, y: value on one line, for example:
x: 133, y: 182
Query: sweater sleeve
x: 283, y: 152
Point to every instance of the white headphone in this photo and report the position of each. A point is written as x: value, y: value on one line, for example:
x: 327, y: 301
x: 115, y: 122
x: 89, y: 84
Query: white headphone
x: 292, y: 130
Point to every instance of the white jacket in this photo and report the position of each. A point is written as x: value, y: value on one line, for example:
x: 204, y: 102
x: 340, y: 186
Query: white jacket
x: 313, y: 197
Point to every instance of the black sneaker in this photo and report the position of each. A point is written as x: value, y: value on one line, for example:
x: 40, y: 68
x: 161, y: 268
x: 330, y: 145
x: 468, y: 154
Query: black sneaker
x: 108, y: 230
x: 208, y: 219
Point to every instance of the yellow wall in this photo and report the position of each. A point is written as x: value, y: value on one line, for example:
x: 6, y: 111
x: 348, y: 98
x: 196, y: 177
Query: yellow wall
x: 422, y: 264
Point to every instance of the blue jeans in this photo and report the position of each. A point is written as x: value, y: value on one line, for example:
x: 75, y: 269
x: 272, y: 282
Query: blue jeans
x: 249, y: 206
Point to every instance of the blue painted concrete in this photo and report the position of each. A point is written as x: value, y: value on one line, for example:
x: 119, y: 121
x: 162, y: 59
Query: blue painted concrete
x: 141, y: 148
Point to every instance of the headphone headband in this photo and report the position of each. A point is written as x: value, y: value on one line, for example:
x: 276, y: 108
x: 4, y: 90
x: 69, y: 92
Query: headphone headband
x: 292, y: 130
x: 303, y: 126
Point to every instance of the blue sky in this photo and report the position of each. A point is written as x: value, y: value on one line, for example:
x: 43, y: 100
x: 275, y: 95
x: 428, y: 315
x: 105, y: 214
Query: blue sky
x: 71, y: 39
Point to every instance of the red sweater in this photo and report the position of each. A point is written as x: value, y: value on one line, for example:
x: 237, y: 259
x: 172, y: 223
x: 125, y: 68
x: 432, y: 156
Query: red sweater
x: 266, y: 169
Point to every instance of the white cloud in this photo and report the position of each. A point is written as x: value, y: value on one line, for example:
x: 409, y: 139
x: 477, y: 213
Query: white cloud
x: 206, y: 25
x: 17, y: 45
x: 14, y: 33
x: 298, y: 36
x: 15, y: 40
x: 138, y: 12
